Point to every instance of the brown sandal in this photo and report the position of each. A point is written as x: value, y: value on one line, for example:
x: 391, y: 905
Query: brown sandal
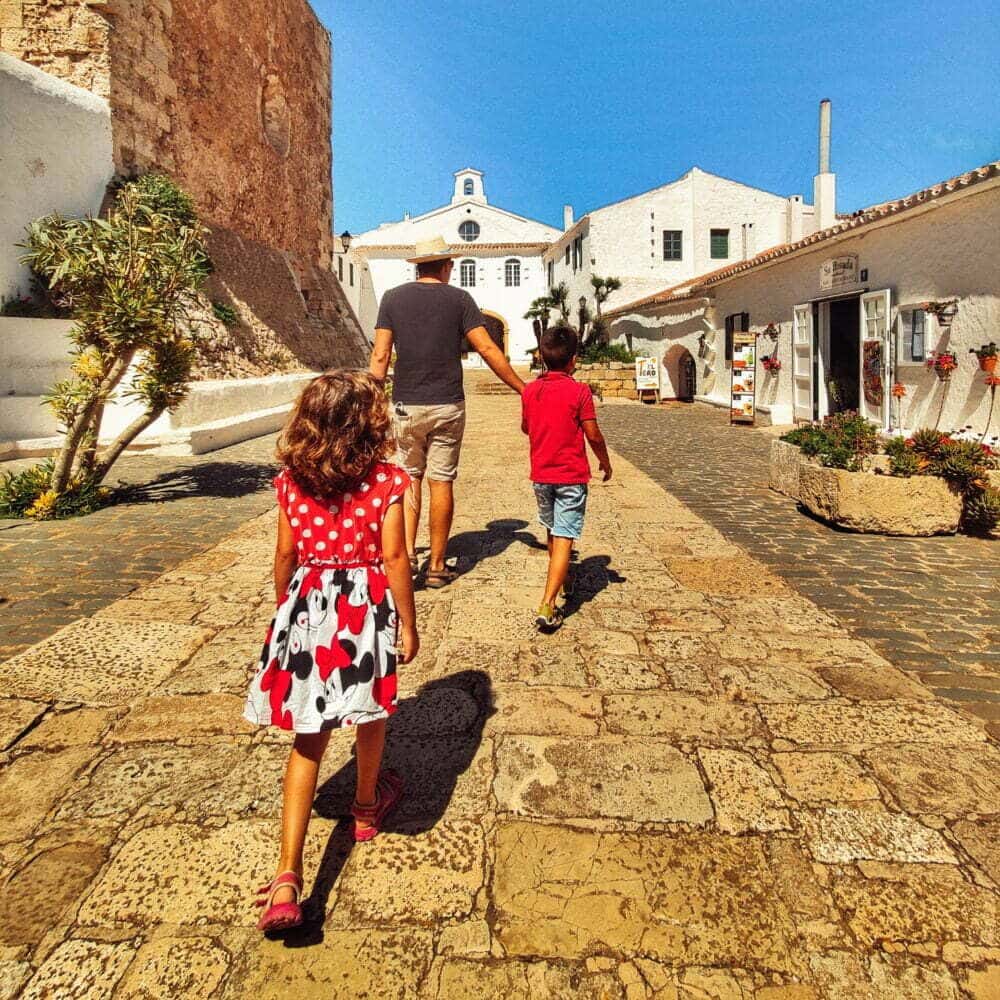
x: 438, y: 578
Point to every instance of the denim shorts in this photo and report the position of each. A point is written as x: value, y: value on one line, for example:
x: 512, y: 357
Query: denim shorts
x: 561, y: 508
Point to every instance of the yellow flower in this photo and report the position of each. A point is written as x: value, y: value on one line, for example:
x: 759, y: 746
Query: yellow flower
x: 88, y: 365
x: 44, y: 506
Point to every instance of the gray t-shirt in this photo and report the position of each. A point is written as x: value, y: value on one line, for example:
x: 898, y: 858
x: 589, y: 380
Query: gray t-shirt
x: 428, y: 321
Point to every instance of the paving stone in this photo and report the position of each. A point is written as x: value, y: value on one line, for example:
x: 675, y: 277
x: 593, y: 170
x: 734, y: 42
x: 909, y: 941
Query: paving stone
x: 672, y: 646
x: 31, y: 785
x: 950, y: 781
x: 400, y: 879
x: 824, y: 777
x: 16, y: 715
x: 183, y: 874
x: 743, y: 793
x: 982, y: 840
x: 759, y: 682
x: 35, y: 899
x: 182, y: 716
x: 917, y: 904
x: 77, y: 727
x: 226, y: 664
x: 641, y: 780
x: 836, y: 723
x: 841, y: 834
x: 188, y: 967
x: 872, y: 681
x: 679, y: 716
x: 512, y: 980
x: 99, y: 661
x: 845, y: 975
x: 13, y: 975
x: 80, y: 970
x: 130, y: 609
x: 680, y: 899
x: 540, y: 710
x: 737, y: 576
x: 369, y: 964
x: 982, y: 984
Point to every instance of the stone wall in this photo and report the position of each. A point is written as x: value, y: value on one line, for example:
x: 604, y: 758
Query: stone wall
x: 233, y: 100
x: 616, y: 380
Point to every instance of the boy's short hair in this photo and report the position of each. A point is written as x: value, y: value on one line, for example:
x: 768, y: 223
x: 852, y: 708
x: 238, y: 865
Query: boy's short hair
x: 558, y: 346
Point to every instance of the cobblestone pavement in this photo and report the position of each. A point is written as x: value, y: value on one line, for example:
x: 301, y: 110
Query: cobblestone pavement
x: 930, y: 605
x: 702, y: 788
x: 54, y: 572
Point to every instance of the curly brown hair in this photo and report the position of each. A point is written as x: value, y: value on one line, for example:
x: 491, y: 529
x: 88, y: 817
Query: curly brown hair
x: 340, y: 427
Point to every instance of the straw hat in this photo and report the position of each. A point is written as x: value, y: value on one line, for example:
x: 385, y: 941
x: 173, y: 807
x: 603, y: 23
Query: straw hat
x: 432, y: 249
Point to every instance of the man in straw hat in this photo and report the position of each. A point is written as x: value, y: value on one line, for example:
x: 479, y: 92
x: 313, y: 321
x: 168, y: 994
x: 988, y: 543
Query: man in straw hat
x: 425, y: 321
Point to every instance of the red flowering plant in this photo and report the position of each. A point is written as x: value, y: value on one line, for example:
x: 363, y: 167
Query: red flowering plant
x: 943, y: 363
x: 771, y: 364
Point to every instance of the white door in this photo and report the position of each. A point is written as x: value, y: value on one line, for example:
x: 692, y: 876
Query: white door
x: 873, y: 363
x: 802, y: 362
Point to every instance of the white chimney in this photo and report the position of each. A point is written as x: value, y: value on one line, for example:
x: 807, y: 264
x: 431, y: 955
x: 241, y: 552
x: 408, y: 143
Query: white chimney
x: 567, y: 217
x: 825, y: 182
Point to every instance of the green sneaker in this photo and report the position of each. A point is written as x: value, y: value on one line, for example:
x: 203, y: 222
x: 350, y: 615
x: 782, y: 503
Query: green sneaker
x: 548, y: 619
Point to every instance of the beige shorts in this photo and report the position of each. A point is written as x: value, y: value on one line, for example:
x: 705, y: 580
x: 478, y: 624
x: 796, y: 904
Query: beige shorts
x: 429, y: 439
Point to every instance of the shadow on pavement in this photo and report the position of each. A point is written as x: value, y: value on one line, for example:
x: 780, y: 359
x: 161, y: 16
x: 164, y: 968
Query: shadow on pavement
x: 211, y: 479
x: 590, y: 577
x: 430, y: 742
x: 472, y: 547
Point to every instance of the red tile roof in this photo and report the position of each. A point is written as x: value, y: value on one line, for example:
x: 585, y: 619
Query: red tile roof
x: 697, y: 287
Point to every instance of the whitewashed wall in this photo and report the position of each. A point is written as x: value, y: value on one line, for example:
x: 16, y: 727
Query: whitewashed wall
x: 55, y: 156
x: 949, y: 249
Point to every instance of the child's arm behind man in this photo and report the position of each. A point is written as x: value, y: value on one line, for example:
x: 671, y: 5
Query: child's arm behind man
x: 592, y: 432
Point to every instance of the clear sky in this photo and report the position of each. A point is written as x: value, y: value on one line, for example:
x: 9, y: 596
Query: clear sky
x: 585, y: 103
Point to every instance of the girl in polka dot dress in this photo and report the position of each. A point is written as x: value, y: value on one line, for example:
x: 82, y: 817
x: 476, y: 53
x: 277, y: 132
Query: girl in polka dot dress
x: 345, y: 614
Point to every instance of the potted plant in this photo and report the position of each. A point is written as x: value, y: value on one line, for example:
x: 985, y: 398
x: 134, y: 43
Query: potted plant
x: 943, y: 363
x: 943, y: 309
x: 771, y: 364
x: 987, y: 354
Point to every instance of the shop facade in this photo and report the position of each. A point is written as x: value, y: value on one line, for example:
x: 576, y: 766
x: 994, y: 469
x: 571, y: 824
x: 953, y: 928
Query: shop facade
x: 854, y: 316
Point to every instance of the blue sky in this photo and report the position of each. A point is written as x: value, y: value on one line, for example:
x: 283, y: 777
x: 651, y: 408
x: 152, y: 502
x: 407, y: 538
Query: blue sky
x: 584, y: 103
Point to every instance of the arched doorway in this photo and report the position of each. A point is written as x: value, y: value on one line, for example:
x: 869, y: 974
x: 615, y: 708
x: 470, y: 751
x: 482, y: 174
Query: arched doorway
x: 681, y: 374
x: 496, y: 327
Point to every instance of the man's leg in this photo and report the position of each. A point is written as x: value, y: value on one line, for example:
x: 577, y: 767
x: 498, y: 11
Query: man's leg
x: 411, y: 515
x: 442, y: 512
x: 559, y: 553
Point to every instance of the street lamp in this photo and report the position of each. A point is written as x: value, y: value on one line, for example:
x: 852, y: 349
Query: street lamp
x: 345, y: 239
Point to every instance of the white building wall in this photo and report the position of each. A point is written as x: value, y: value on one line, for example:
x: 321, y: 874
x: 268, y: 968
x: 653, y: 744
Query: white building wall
x: 947, y: 250
x: 55, y: 156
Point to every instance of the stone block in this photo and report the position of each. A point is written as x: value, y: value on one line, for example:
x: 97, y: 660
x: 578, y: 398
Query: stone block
x: 783, y: 468
x: 189, y: 967
x: 824, y: 777
x: 16, y: 715
x: 608, y: 778
x: 841, y: 835
x: 544, y: 710
x: 982, y: 842
x: 886, y: 505
x: 99, y: 661
x: 79, y: 968
x: 11, y: 15
x: 744, y: 795
x: 680, y: 716
x: 172, y: 717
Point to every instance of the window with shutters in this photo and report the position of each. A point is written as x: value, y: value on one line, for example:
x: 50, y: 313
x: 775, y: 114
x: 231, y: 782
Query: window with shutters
x: 719, y: 239
x: 467, y: 274
x: 567, y: 254
x: 468, y: 186
x: 340, y: 268
x: 735, y: 323
x: 671, y: 244
x: 913, y: 323
x: 512, y: 274
x: 550, y: 272
x: 351, y: 266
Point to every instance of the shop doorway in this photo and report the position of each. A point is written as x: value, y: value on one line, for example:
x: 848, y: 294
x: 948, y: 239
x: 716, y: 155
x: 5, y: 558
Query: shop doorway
x: 842, y: 375
x: 681, y: 375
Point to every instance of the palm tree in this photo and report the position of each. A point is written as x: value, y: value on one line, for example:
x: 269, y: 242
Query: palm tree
x: 539, y: 314
x: 603, y: 287
x: 559, y: 299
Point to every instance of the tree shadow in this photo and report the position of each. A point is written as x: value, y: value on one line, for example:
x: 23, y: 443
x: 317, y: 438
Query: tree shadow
x: 590, y: 576
x: 208, y: 479
x: 430, y: 742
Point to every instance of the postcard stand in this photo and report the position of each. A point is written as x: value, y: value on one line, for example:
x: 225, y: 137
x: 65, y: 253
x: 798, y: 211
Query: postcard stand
x: 742, y: 407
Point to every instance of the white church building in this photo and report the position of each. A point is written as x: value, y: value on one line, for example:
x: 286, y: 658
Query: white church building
x: 499, y: 261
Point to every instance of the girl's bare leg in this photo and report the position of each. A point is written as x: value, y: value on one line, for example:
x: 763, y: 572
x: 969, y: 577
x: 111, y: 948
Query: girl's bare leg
x: 296, y: 808
x: 370, y: 745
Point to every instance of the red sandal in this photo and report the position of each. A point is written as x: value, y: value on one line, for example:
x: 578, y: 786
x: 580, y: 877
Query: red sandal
x: 280, y: 916
x: 388, y: 791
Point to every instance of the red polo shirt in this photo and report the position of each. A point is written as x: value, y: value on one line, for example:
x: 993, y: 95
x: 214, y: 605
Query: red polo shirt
x: 554, y: 408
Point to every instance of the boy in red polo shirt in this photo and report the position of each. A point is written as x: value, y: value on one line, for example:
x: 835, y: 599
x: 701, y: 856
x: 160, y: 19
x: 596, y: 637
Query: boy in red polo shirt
x: 557, y: 415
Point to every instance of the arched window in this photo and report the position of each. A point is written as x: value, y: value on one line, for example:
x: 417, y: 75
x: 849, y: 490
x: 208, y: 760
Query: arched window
x: 469, y: 187
x: 469, y: 231
x: 512, y: 273
x: 467, y: 273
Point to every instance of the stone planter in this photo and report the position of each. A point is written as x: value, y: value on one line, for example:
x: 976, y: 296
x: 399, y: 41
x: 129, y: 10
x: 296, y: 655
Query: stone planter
x: 884, y: 505
x: 784, y: 468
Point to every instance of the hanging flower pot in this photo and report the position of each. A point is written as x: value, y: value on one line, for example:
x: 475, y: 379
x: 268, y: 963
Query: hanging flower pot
x: 987, y: 355
x: 988, y: 365
x: 943, y: 363
x: 771, y: 364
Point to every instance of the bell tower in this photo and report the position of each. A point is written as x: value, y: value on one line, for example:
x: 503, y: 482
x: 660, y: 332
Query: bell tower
x: 469, y: 186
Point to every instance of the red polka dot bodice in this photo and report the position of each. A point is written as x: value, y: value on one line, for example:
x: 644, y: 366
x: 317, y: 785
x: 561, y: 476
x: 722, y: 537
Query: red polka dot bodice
x: 348, y: 528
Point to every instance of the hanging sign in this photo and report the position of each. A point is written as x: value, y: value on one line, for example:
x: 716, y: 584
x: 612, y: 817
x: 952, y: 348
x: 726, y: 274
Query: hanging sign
x: 742, y: 406
x: 839, y: 271
x: 646, y: 374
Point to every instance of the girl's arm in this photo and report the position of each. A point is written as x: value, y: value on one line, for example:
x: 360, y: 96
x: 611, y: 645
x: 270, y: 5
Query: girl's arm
x: 285, y: 557
x: 397, y: 568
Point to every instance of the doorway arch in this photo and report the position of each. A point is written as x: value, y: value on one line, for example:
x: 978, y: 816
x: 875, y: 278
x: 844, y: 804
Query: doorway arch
x: 496, y: 327
x: 681, y: 374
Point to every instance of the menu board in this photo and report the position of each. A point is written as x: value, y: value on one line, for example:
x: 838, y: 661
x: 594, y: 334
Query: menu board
x: 646, y: 374
x: 742, y: 407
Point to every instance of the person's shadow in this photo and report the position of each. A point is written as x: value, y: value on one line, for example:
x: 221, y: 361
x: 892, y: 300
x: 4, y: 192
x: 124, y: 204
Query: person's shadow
x: 590, y: 576
x: 430, y: 742
x: 468, y: 548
